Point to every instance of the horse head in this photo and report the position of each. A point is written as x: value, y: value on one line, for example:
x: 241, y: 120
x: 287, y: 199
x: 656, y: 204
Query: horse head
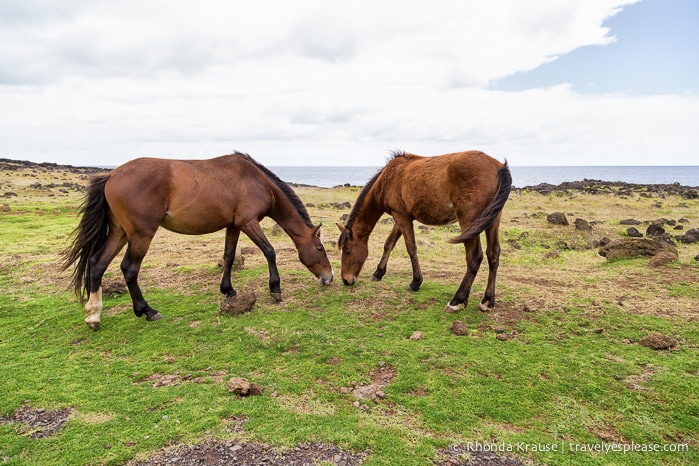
x: 312, y: 254
x: 354, y: 253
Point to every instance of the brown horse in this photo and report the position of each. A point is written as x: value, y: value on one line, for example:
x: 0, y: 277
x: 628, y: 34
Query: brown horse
x: 468, y: 187
x: 192, y: 197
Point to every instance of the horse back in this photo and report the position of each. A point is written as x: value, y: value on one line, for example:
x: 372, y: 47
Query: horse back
x: 186, y: 196
x: 438, y: 190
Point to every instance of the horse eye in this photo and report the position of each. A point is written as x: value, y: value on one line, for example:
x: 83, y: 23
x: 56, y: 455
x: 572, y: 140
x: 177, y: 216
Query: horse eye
x: 348, y: 252
x: 320, y: 248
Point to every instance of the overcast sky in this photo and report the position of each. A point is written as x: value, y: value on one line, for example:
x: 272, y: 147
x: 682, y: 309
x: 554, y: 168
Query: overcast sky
x: 305, y: 82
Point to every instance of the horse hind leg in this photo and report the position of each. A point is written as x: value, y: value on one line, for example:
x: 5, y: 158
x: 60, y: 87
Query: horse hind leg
x: 474, y: 257
x: 98, y: 265
x: 130, y: 267
x: 493, y: 255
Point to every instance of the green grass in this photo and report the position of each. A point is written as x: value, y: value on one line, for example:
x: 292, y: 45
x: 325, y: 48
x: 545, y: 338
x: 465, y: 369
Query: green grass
x: 572, y: 374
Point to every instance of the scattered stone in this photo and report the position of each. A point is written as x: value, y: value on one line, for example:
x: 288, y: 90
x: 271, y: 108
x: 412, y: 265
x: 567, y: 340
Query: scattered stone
x: 239, y: 304
x: 662, y: 258
x: 633, y: 247
x: 582, y: 225
x: 657, y: 341
x: 691, y: 236
x: 242, y: 387
x: 459, y: 328
x: 557, y: 218
x: 504, y: 336
x: 530, y: 306
x: 417, y: 335
x: 654, y: 230
x: 633, y: 232
x: 513, y: 242
x: 630, y: 221
x: 5, y: 208
x: 38, y: 422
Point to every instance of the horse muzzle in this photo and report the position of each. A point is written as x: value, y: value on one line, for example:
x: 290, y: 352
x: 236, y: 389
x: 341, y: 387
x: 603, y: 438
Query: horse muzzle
x: 326, y: 281
x: 349, y: 282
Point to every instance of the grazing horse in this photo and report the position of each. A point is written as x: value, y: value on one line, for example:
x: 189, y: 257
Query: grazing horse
x: 192, y: 197
x: 468, y: 187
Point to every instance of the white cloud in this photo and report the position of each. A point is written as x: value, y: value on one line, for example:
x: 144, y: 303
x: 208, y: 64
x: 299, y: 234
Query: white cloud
x: 313, y: 82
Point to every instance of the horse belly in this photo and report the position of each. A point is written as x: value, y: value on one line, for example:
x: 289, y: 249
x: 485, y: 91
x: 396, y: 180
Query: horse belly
x: 434, y: 213
x: 193, y: 222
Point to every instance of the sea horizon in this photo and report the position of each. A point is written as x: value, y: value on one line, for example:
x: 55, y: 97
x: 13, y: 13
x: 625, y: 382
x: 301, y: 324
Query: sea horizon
x: 522, y: 176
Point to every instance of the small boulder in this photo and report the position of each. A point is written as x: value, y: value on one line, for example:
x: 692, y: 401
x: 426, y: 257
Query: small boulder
x: 582, y: 225
x: 690, y: 236
x: 630, y: 221
x: 242, y: 387
x: 459, y: 328
x: 657, y: 341
x: 239, y: 304
x: 417, y: 335
x: 633, y: 232
x: 654, y: 230
x: 628, y: 248
x: 662, y: 258
x: 557, y: 218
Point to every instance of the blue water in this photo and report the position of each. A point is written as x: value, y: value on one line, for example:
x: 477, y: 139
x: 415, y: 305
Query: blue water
x: 329, y: 177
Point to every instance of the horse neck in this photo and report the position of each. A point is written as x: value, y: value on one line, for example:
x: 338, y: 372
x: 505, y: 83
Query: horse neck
x: 367, y: 215
x: 286, y: 215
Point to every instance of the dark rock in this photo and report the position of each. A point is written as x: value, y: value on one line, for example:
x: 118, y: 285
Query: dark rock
x: 634, y: 233
x: 582, y: 225
x: 657, y: 341
x: 557, y: 218
x: 239, y: 304
x: 633, y: 247
x: 691, y: 236
x: 630, y: 221
x: 654, y: 230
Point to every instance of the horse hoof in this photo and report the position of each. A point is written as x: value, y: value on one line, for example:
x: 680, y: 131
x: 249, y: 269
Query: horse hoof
x: 277, y: 297
x: 451, y: 309
x: 374, y: 278
x: 93, y: 325
x: 410, y: 288
x: 483, y: 307
x: 154, y: 317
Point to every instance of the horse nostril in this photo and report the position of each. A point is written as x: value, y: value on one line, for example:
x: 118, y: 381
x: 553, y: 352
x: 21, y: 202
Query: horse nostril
x: 347, y: 282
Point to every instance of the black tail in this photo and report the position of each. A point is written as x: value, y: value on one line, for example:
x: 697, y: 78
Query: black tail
x: 88, y: 237
x: 491, y: 212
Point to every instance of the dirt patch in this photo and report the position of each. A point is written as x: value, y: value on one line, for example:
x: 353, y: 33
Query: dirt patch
x: 244, y: 454
x: 38, y: 422
x: 173, y: 380
x: 380, y: 378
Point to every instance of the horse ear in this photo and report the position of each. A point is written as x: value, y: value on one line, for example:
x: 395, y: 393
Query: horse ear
x: 340, y: 227
x: 316, y: 230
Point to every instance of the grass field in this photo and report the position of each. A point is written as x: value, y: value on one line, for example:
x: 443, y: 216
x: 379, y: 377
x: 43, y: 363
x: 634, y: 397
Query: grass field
x: 554, y: 373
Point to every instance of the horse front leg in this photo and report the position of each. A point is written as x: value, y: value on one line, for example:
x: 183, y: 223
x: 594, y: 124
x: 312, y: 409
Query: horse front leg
x: 130, y: 267
x: 388, y: 246
x: 254, y: 232
x: 232, y: 235
x: 492, y: 252
x: 406, y: 227
x: 474, y: 257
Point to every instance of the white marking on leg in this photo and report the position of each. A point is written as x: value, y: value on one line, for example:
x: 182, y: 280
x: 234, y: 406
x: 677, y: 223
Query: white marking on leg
x: 483, y: 307
x: 451, y: 308
x: 93, y: 308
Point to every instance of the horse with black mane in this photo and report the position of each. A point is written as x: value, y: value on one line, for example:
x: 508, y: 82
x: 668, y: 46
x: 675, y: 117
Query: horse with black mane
x: 192, y: 197
x: 468, y: 187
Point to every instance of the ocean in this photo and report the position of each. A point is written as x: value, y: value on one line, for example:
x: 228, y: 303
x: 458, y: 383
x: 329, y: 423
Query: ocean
x: 328, y: 177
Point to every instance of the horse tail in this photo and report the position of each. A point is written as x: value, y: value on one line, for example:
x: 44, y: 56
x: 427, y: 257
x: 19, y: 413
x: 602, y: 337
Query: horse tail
x: 486, y: 219
x: 88, y: 237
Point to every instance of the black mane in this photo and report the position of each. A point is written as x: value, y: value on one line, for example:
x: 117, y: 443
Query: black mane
x: 286, y: 189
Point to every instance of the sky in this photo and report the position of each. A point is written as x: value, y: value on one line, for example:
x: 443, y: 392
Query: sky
x: 308, y: 82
